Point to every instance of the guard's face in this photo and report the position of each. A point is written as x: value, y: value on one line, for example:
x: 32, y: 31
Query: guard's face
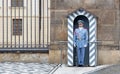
x: 80, y: 25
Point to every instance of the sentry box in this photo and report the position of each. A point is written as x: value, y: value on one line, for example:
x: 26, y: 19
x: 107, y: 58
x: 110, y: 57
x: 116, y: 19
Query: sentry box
x: 90, y: 23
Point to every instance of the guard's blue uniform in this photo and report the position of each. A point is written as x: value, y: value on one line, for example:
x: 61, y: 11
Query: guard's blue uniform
x: 81, y: 40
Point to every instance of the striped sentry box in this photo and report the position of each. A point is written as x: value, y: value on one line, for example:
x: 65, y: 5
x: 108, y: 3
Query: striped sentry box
x: 92, y: 36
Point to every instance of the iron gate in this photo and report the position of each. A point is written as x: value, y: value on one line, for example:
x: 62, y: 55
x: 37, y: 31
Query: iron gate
x: 24, y: 24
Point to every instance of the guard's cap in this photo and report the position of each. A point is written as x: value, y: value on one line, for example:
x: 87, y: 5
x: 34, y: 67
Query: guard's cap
x: 80, y: 21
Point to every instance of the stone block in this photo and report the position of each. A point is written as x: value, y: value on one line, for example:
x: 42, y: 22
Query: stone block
x: 67, y: 4
x: 61, y: 33
x: 105, y: 33
x: 57, y: 17
x: 9, y: 57
x: 117, y: 4
x: 34, y: 57
x: 105, y: 16
x: 90, y: 4
x: 44, y: 58
x: 57, y: 56
x: 105, y: 4
x: 64, y: 56
x: 105, y: 58
x: 51, y: 56
x: 52, y: 4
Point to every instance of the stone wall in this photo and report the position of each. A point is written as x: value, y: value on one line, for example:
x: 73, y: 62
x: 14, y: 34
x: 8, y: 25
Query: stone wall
x: 24, y: 57
x: 107, y: 12
x: 108, y: 28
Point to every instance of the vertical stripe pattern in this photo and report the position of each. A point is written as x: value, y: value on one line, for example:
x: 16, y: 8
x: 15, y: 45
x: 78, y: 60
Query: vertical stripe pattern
x: 92, y: 36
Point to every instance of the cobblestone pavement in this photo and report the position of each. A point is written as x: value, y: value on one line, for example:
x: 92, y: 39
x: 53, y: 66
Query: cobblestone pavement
x: 25, y: 68
x: 114, y: 69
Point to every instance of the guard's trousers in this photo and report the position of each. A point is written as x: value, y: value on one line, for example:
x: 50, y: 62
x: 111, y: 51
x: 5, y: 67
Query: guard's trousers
x: 80, y: 55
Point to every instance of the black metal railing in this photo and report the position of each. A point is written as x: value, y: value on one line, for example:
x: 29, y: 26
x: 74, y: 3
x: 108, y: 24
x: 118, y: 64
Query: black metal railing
x: 29, y: 32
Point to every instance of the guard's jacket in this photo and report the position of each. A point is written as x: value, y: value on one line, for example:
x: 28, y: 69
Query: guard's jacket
x: 80, y: 37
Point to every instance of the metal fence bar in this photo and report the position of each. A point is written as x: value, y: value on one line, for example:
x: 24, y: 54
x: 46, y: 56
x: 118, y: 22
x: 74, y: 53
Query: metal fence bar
x: 119, y: 26
x: 47, y: 23
x: 35, y: 22
x: 31, y: 23
x: 43, y: 24
x: 39, y: 23
x: 11, y: 27
x: 27, y: 21
x: 7, y: 21
x: 23, y: 25
x: 19, y: 23
x: 3, y: 20
x: 15, y: 23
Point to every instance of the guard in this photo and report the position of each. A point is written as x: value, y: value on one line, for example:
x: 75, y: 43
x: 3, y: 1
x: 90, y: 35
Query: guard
x: 80, y: 41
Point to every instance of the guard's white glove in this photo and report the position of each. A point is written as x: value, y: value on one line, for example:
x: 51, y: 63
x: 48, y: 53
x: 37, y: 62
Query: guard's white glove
x: 74, y: 45
x: 85, y: 45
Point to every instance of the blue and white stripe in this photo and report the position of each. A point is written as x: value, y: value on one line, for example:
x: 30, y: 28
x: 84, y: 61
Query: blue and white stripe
x: 70, y: 42
x: 92, y: 36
